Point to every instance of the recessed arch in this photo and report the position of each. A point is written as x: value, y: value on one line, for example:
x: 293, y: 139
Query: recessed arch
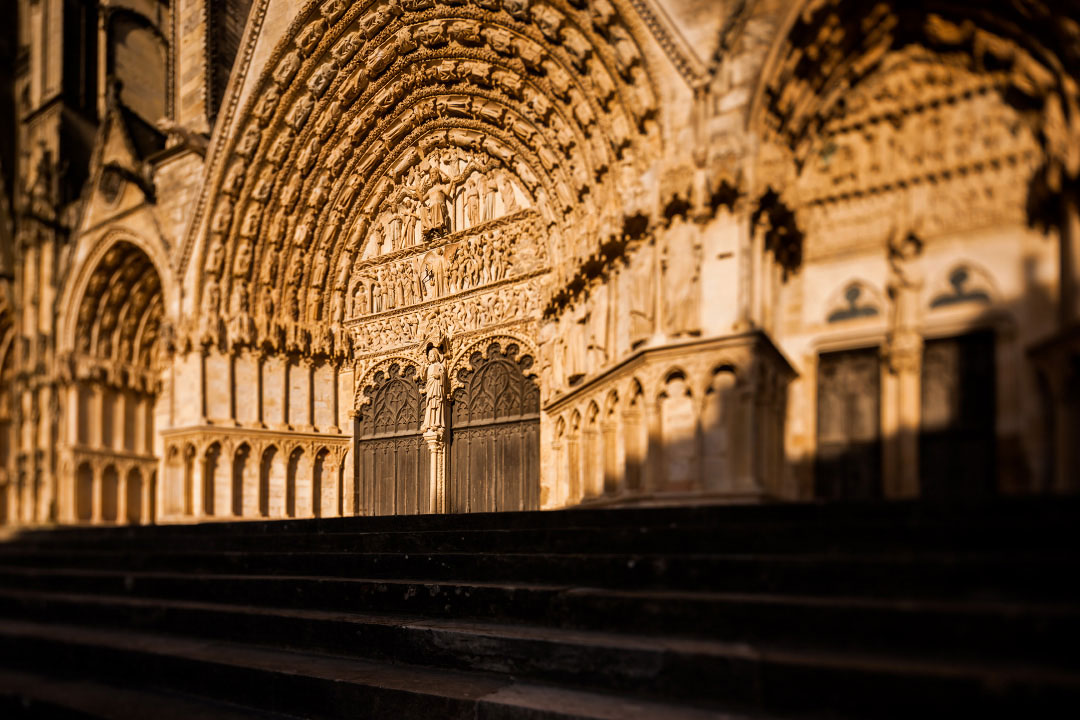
x: 134, y: 492
x: 489, y: 79
x: 118, y: 241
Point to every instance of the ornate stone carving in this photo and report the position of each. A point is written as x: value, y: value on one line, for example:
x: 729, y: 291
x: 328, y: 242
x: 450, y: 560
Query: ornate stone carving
x: 435, y: 392
x: 681, y: 265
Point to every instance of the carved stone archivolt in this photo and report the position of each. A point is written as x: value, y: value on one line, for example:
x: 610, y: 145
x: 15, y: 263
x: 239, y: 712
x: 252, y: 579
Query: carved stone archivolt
x: 121, y: 314
x: 950, y: 122
x: 383, y: 126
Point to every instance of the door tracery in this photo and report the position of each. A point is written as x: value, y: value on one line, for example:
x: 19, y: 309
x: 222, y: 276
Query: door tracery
x: 495, y: 434
x: 391, y: 458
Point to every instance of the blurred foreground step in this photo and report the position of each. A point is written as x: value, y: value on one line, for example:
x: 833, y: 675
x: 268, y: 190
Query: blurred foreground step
x: 856, y: 611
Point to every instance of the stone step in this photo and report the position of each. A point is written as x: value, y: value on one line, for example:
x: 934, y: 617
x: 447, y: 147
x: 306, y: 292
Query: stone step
x: 26, y: 696
x: 213, y: 605
x: 1031, y: 511
x: 1046, y: 578
x: 311, y: 685
x: 858, y: 611
x: 1010, y: 523
x: 795, y: 538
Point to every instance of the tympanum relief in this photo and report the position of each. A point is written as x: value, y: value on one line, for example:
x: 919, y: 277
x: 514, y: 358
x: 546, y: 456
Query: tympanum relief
x: 480, y: 277
x: 449, y: 191
x: 933, y: 147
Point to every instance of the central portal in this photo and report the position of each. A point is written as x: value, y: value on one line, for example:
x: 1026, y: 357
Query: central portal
x: 486, y: 459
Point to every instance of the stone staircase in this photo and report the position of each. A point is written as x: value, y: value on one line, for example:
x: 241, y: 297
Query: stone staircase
x: 853, y: 611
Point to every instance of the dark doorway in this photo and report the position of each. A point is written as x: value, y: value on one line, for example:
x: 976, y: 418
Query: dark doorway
x: 848, y: 463
x: 495, y: 446
x: 956, y: 439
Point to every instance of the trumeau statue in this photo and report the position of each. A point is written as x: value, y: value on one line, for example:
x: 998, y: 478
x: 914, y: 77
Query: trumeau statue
x: 434, y: 391
x: 904, y: 343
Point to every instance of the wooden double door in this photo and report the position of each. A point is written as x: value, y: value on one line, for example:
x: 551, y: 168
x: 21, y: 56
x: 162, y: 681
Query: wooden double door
x: 957, y: 449
x: 957, y: 453
x: 493, y: 435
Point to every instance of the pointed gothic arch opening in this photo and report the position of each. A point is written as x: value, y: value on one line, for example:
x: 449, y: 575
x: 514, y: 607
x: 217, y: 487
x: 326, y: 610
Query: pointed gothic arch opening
x: 134, y: 497
x: 240, y: 470
x: 84, y: 493
x: 117, y: 326
x: 319, y: 477
x: 293, y: 480
x: 211, y: 462
x: 110, y: 495
x: 272, y: 479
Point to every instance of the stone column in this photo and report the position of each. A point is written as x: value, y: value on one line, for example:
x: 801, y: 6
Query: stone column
x: 95, y: 496
x: 232, y: 358
x: 436, y: 443
x: 901, y: 410
x: 202, y: 387
x: 283, y: 421
x: 335, y: 376
x: 347, y: 501
x: 142, y: 444
x: 120, y: 420
x: 121, y: 494
x: 97, y: 416
x: 148, y: 488
x: 902, y: 405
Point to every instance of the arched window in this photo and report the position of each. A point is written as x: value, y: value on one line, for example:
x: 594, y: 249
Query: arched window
x: 213, y: 455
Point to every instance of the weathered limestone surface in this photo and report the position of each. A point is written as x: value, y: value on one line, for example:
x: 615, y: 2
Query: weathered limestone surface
x: 435, y: 255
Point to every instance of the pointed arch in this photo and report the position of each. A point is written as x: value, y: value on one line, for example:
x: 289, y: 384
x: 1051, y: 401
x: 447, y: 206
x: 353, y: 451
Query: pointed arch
x: 110, y: 494
x: 211, y: 463
x: 84, y: 493
x: 241, y: 470
x: 321, y: 475
x: 356, y: 97
x: 134, y: 491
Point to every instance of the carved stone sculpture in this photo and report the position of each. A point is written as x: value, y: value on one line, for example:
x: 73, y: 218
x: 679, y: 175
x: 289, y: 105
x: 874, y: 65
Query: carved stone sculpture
x: 682, y: 274
x: 434, y: 391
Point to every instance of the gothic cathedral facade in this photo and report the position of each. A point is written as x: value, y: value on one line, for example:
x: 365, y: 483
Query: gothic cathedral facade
x: 314, y: 258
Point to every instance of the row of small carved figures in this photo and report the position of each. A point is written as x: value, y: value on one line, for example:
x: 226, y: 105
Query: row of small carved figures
x: 478, y: 263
